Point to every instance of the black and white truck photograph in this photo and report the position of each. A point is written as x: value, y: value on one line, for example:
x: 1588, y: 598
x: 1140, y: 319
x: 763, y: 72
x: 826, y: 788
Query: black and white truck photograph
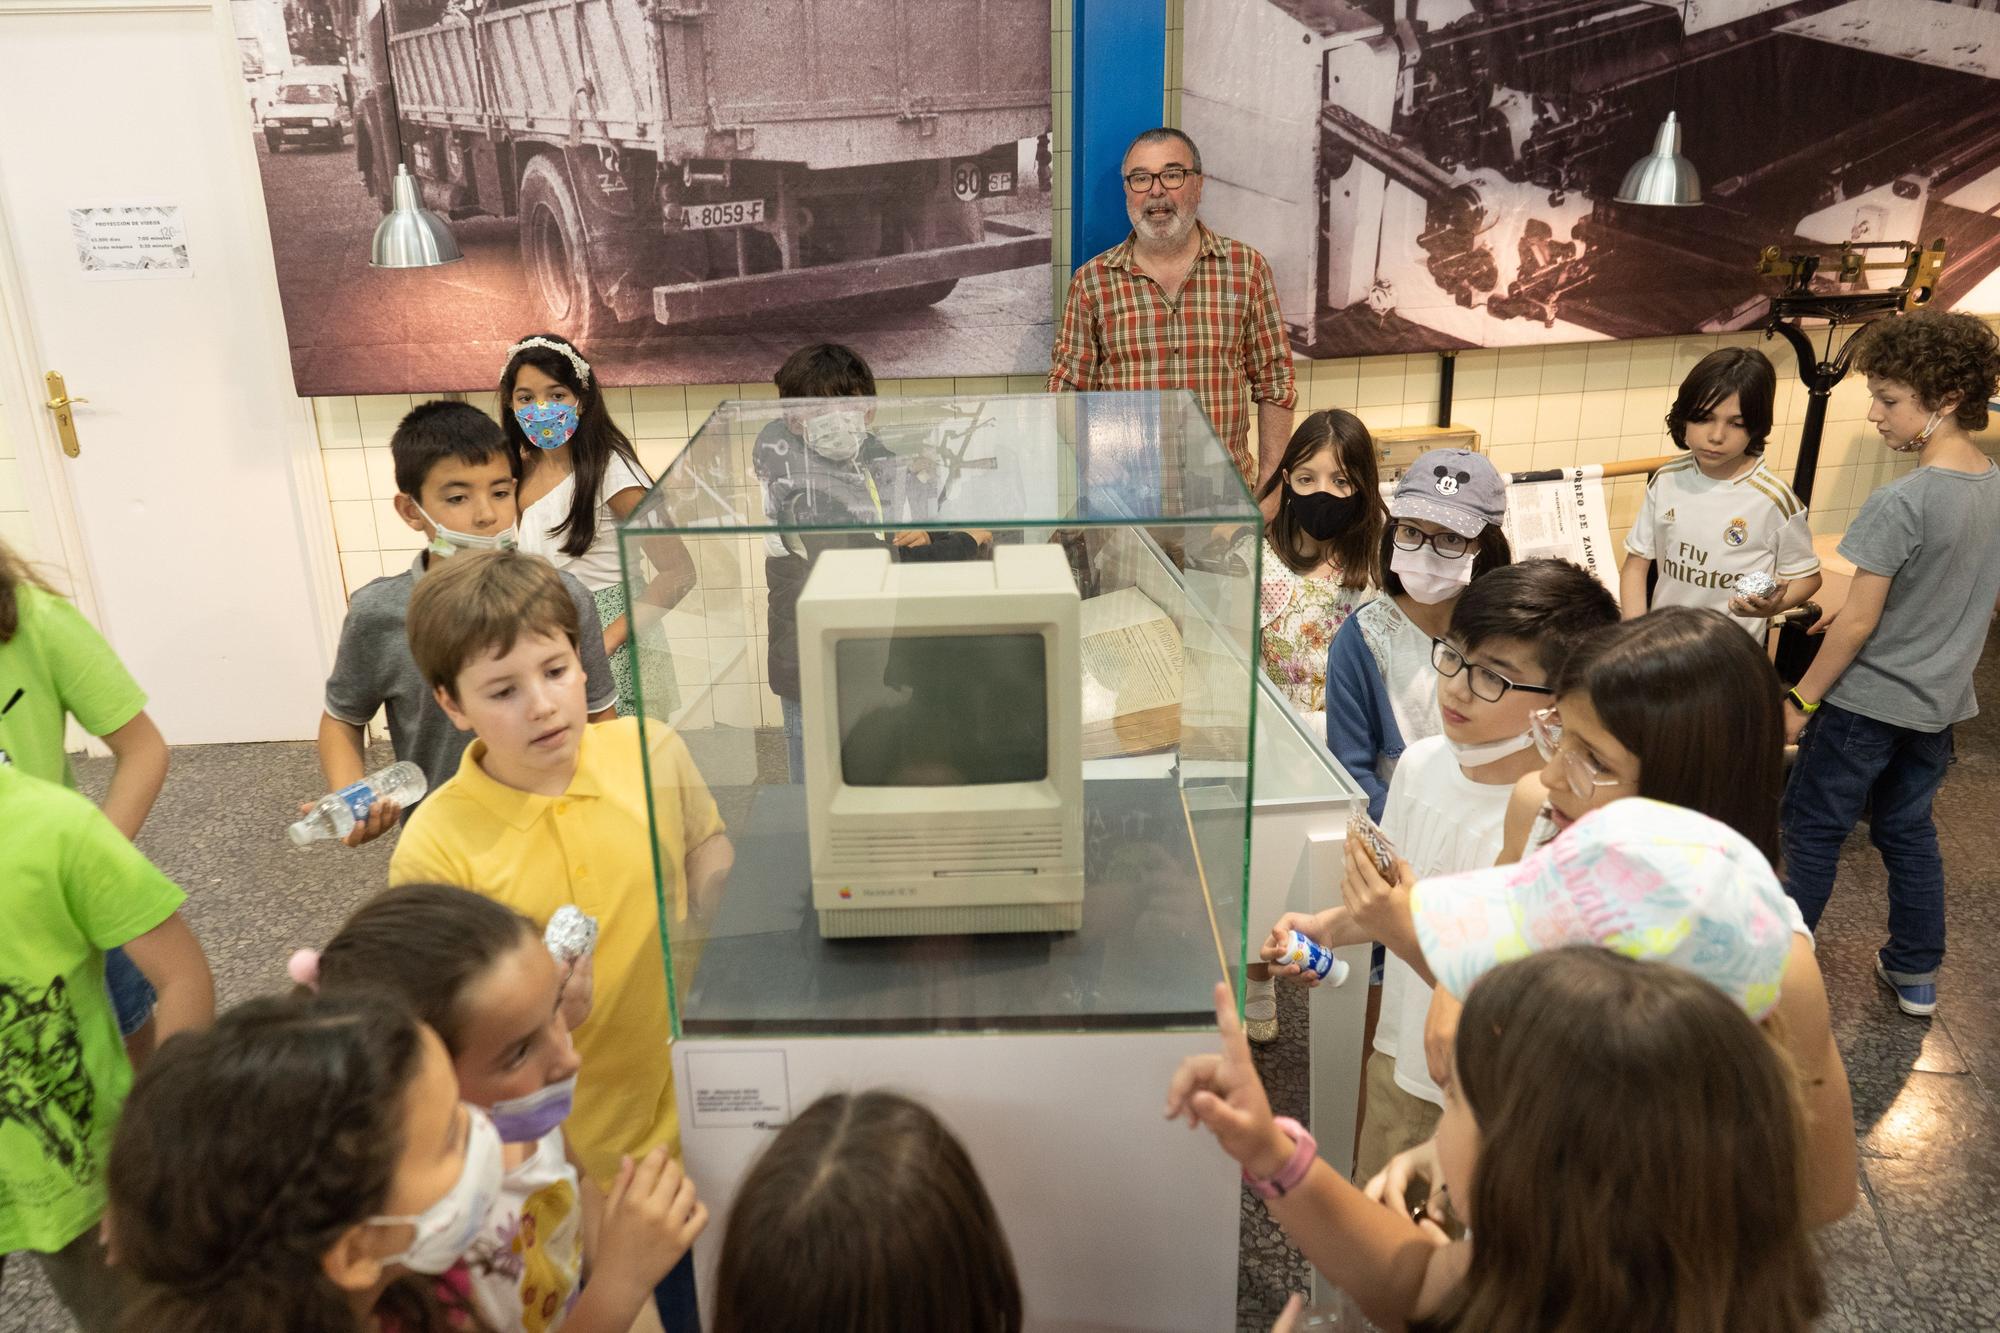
x: 688, y: 190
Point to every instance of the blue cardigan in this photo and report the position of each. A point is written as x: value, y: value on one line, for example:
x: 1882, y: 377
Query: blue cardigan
x: 1360, y: 724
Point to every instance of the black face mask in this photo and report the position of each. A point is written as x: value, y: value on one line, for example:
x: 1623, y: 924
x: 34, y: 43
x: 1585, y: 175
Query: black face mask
x: 1324, y: 515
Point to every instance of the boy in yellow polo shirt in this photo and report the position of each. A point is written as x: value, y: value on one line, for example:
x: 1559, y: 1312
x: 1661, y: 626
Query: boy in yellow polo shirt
x: 547, y: 809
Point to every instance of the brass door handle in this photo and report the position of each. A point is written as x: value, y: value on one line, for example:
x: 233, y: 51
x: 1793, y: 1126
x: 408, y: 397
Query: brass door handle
x: 59, y: 403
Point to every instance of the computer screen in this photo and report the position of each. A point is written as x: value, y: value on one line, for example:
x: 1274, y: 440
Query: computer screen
x: 913, y: 715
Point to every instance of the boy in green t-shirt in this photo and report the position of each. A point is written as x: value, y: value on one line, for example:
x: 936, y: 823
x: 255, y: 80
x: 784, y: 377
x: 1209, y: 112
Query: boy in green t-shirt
x: 68, y: 892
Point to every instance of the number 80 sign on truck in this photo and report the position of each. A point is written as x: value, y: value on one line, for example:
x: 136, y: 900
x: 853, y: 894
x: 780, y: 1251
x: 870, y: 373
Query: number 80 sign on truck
x: 676, y: 161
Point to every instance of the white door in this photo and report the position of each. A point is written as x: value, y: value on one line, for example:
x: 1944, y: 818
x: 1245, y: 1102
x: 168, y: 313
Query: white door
x: 191, y: 507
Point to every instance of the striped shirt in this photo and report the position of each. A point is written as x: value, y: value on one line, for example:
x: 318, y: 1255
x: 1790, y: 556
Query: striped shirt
x: 1221, y: 336
x: 1704, y: 533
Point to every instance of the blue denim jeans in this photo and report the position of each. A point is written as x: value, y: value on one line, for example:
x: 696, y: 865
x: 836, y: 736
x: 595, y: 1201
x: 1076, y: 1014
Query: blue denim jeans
x: 132, y: 996
x: 795, y: 738
x: 1847, y: 761
x: 674, y: 1298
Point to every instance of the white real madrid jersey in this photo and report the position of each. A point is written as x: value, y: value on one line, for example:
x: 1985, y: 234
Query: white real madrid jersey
x: 1703, y: 533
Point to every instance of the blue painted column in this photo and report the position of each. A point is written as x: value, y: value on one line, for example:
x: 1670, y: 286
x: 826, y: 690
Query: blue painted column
x: 1117, y: 88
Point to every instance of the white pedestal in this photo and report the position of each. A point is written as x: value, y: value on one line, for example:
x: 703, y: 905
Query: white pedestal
x: 1118, y: 1218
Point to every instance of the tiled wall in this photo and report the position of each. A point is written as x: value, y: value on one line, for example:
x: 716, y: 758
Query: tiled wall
x: 1533, y: 407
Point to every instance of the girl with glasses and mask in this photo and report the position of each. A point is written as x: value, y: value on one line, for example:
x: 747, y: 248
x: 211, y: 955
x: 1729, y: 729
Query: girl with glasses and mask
x: 1324, y: 537
x: 1381, y: 690
x: 1680, y: 706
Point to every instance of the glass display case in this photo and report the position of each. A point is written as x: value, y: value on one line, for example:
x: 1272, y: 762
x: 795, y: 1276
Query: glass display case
x: 969, y: 686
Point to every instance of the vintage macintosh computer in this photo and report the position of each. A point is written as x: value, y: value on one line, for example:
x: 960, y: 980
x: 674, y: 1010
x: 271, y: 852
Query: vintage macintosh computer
x: 943, y: 731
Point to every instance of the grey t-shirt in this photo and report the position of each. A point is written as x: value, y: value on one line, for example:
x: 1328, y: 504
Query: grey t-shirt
x: 1936, y: 535
x: 374, y: 669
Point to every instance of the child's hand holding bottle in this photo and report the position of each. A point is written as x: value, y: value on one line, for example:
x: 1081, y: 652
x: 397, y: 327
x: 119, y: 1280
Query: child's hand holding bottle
x: 1279, y: 942
x: 382, y: 816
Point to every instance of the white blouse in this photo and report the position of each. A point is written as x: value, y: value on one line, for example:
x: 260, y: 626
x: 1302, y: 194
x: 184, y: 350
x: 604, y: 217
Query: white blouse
x: 597, y: 568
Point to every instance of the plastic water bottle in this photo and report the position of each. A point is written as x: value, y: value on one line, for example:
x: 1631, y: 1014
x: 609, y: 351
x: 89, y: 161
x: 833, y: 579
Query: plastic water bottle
x: 336, y: 813
x: 1310, y: 956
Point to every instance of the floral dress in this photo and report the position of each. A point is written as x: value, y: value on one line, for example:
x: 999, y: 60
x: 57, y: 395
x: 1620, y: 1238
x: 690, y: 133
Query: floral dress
x: 1299, y: 617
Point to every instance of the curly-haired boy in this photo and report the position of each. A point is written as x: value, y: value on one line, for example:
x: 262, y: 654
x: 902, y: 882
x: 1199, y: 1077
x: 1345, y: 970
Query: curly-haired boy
x: 1895, y: 671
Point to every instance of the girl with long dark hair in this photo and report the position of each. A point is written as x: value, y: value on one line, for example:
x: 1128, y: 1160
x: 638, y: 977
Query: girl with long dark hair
x: 581, y: 477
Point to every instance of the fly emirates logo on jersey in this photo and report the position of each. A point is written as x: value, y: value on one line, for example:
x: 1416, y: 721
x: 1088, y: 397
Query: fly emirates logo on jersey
x: 1689, y: 564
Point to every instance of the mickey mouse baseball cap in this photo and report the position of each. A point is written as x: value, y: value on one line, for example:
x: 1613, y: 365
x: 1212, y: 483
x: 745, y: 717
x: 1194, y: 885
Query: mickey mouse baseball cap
x: 1649, y: 880
x: 1453, y: 487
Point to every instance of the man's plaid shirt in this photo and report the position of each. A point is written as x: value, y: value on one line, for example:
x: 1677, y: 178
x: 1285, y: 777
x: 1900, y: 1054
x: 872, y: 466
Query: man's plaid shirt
x: 1223, y: 337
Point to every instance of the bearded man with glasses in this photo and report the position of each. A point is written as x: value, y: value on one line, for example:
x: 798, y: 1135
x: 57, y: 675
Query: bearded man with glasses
x: 1175, y: 306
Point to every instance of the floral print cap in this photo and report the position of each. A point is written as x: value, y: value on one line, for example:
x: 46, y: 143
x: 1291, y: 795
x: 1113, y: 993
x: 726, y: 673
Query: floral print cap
x: 1643, y: 878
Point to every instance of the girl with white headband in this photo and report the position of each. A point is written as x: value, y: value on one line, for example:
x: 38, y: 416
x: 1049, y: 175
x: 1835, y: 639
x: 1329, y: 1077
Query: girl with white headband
x: 579, y: 477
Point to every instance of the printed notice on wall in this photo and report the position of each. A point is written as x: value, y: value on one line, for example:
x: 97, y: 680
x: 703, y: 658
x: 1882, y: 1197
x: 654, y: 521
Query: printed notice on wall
x: 1564, y: 518
x: 115, y: 241
x: 739, y: 1089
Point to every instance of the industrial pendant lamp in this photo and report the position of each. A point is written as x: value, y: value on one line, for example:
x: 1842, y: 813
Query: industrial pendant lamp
x: 1662, y: 178
x: 410, y: 235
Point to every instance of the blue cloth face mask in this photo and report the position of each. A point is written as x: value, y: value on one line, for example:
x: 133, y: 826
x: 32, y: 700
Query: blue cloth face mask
x: 528, y: 1119
x: 547, y: 425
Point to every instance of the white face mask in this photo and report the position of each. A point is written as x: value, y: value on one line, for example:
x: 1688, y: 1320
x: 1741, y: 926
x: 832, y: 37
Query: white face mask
x: 1473, y: 756
x: 447, y: 1228
x: 1428, y: 576
x: 837, y: 436
x: 444, y: 541
x: 1921, y: 438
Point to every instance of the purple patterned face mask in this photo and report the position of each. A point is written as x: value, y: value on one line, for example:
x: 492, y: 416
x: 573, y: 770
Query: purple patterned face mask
x: 547, y: 425
x: 527, y: 1119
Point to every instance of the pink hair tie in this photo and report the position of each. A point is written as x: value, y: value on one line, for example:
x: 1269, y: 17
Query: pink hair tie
x: 303, y: 967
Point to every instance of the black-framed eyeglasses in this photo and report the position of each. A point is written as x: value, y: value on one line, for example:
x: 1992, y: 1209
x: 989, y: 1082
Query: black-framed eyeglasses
x: 1140, y: 182
x: 1448, y: 545
x: 1486, y: 683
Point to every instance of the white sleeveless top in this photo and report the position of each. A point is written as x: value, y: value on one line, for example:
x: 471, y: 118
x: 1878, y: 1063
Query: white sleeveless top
x: 597, y: 568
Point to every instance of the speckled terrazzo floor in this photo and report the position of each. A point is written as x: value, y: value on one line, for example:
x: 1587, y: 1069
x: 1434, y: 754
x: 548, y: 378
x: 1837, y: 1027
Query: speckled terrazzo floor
x: 1920, y: 1252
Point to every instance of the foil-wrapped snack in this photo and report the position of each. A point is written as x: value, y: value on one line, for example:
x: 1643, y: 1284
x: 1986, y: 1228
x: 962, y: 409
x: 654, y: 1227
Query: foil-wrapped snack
x: 1757, y: 583
x: 570, y: 934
